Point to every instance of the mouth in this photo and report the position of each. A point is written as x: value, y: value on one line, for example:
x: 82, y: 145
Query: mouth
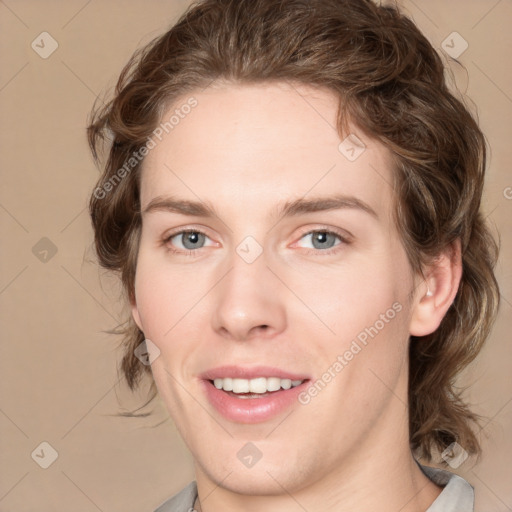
x: 252, y: 395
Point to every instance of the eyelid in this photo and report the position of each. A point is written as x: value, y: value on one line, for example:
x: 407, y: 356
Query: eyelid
x: 342, y: 233
x: 184, y: 229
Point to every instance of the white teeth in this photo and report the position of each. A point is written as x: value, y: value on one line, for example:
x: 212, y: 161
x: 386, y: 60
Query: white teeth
x: 273, y: 383
x: 286, y: 383
x: 258, y: 385
x: 240, y: 386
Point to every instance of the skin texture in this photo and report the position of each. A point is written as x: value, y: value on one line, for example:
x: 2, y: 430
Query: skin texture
x: 246, y: 149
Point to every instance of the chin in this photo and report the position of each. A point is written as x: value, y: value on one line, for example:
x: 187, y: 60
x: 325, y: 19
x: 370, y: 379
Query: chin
x: 263, y: 479
x: 251, y: 485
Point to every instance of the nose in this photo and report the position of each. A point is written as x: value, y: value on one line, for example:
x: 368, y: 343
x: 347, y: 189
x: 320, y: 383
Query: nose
x: 249, y: 302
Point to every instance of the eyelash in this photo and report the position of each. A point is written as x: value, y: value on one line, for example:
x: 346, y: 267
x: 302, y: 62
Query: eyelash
x: 194, y: 252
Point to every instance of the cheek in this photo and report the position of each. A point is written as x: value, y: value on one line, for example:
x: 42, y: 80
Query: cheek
x: 367, y: 354
x: 367, y: 308
x: 355, y: 298
x: 162, y: 295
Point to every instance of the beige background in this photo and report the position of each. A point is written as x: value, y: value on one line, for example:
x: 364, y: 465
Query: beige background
x: 58, y: 368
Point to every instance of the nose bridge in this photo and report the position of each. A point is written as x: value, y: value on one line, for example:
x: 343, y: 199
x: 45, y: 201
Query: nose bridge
x: 246, y: 302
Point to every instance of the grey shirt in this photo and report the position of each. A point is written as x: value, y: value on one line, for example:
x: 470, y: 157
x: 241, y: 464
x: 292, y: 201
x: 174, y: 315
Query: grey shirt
x: 457, y: 494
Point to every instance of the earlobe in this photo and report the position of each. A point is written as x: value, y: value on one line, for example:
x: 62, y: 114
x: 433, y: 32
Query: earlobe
x: 436, y: 294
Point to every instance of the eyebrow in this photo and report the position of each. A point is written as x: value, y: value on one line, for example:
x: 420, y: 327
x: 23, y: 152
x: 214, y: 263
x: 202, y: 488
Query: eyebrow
x: 288, y: 209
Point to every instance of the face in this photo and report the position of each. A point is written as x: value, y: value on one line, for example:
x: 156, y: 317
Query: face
x: 269, y: 259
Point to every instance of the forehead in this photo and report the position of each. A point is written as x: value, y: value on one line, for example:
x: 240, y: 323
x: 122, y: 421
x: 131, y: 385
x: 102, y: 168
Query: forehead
x: 248, y: 147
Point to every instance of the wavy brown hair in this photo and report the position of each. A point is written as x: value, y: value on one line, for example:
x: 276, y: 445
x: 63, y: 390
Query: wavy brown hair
x: 390, y: 83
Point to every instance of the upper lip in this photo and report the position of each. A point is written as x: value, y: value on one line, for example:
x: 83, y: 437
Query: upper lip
x: 241, y: 372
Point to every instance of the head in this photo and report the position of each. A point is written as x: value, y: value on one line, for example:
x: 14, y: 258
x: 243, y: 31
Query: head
x: 244, y: 106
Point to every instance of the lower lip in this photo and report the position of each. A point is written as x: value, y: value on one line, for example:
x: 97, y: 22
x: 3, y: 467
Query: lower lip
x: 252, y: 410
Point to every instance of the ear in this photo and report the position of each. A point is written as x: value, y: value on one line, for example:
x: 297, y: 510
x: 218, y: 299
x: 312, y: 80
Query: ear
x: 135, y: 312
x: 435, y: 295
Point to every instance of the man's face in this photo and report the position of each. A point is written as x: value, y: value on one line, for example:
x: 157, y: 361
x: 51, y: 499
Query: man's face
x: 255, y: 293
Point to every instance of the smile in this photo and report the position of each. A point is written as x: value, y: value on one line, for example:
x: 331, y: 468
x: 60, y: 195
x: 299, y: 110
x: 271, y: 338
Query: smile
x: 253, y: 395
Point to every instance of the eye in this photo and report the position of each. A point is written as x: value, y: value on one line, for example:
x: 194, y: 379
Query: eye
x: 322, y: 240
x: 186, y: 241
